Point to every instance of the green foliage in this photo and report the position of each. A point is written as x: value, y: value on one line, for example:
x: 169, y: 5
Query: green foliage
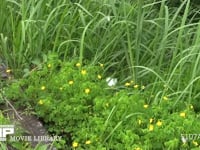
x: 75, y: 102
x: 117, y: 33
x: 65, y: 91
x: 152, y: 42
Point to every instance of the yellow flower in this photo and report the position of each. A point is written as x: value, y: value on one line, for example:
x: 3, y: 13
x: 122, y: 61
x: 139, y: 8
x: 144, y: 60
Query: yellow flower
x: 182, y: 114
x: 49, y: 66
x: 74, y: 144
x: 191, y: 107
x: 43, y: 87
x: 165, y: 98
x: 139, y: 122
x: 83, y: 72
x: 159, y: 123
x: 127, y: 84
x: 87, y: 91
x: 40, y: 102
x: 136, y: 86
x: 195, y: 143
x: 101, y: 65
x: 151, y: 120
x: 8, y: 71
x: 78, y: 65
x: 71, y: 82
x: 88, y: 142
x: 137, y: 148
x: 146, y: 106
x: 151, y: 127
x: 143, y: 87
x: 99, y: 76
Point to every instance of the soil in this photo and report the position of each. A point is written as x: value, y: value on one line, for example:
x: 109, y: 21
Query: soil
x: 30, y: 125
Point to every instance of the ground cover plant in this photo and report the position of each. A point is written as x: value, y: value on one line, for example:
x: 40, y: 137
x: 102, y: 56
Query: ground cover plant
x: 60, y: 54
x: 89, y: 114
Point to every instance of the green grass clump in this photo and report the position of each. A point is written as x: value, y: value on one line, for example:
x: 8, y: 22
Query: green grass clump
x: 149, y: 33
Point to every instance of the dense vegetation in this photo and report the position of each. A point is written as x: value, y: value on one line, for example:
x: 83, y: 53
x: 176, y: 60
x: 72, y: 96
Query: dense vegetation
x: 61, y: 54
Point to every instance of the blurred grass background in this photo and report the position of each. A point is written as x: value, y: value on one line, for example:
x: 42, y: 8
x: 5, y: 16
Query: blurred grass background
x: 149, y: 41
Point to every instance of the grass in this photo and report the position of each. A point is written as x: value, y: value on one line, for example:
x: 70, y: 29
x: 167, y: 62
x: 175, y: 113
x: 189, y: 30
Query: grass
x: 154, y: 43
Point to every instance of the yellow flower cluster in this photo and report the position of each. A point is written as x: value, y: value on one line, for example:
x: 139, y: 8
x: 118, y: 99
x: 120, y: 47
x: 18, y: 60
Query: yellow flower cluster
x: 151, y: 127
x: 78, y: 64
x: 75, y: 144
x: 135, y: 86
x: 127, y: 84
x: 101, y: 65
x: 71, y: 82
x: 43, y: 88
x: 195, y: 143
x: 40, y: 102
x: 87, y: 91
x: 49, y: 65
x: 87, y: 142
x: 83, y: 72
x: 151, y: 120
x: 99, y: 76
x: 159, y: 123
x: 139, y: 122
x: 8, y: 71
x: 146, y: 106
x: 182, y: 114
x: 165, y: 98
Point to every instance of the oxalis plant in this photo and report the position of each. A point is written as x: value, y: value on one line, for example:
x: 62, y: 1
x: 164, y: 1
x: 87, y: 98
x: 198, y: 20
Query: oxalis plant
x: 75, y: 101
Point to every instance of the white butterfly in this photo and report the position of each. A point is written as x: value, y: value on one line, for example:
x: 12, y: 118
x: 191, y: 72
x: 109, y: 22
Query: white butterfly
x: 111, y: 81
